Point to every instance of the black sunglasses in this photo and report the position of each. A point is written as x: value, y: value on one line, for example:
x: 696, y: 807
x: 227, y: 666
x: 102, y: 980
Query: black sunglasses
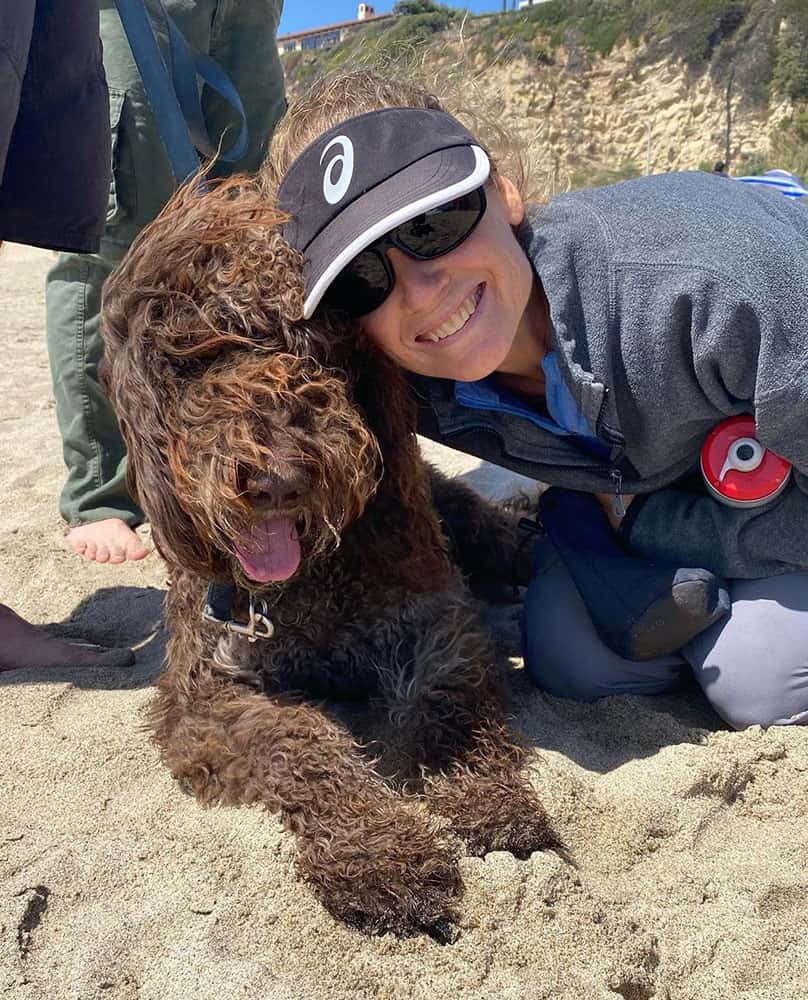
x: 365, y: 283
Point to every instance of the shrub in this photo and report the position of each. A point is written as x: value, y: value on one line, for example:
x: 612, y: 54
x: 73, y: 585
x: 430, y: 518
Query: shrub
x: 600, y: 176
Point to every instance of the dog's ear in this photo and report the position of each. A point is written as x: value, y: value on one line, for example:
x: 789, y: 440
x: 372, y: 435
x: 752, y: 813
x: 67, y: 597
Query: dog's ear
x: 139, y: 382
x: 211, y: 274
x: 151, y: 483
x: 198, y: 282
x: 409, y: 522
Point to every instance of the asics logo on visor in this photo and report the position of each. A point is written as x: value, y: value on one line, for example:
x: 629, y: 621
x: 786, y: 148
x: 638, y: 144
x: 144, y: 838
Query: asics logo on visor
x: 335, y: 190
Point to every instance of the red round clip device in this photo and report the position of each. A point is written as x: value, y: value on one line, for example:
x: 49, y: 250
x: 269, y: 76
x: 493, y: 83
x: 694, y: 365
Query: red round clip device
x: 736, y: 467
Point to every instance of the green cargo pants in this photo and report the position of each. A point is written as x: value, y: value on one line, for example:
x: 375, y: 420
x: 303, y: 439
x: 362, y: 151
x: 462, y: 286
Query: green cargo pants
x: 238, y: 34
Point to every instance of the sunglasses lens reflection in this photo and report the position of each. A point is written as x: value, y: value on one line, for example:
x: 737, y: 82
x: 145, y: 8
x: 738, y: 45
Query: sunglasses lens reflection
x: 362, y: 286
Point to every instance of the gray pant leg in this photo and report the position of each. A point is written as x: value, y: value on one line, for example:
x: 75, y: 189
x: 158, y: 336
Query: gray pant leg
x: 141, y: 183
x: 753, y: 666
x: 93, y: 450
x: 566, y: 657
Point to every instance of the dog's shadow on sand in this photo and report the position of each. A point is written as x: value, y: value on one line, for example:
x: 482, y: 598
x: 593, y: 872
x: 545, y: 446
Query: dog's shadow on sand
x: 112, y: 617
x: 599, y: 737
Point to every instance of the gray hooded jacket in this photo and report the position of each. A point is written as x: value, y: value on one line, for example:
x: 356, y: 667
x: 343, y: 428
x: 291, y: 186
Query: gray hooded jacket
x: 675, y: 301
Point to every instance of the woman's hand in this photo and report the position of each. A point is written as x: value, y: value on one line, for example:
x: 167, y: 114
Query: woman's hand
x: 606, y: 500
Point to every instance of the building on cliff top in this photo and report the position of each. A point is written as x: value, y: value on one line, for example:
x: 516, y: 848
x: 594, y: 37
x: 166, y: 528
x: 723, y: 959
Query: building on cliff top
x: 330, y: 34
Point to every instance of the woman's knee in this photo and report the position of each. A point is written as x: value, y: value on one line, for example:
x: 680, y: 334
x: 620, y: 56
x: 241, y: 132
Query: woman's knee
x: 758, y: 705
x: 565, y: 656
x: 745, y: 693
x: 549, y: 632
x: 753, y: 666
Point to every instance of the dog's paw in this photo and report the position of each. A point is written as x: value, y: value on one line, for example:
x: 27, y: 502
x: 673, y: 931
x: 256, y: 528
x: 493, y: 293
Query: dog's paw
x: 393, y: 872
x: 497, y: 815
x: 406, y: 907
x: 519, y: 835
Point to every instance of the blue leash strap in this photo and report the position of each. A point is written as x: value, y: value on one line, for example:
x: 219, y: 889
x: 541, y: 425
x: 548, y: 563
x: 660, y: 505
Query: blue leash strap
x: 174, y: 98
x: 162, y: 98
x: 186, y: 66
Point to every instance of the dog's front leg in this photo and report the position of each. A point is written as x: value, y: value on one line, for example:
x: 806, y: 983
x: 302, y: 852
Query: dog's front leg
x: 450, y: 716
x: 374, y: 859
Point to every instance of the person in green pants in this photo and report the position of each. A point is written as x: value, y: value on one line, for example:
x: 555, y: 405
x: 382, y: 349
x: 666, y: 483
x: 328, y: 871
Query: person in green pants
x: 53, y: 194
x: 241, y: 36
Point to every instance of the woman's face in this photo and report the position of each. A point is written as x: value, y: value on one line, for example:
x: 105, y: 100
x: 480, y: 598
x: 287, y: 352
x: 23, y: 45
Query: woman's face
x: 456, y: 317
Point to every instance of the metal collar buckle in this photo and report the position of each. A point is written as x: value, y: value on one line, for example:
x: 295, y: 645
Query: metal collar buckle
x: 218, y: 607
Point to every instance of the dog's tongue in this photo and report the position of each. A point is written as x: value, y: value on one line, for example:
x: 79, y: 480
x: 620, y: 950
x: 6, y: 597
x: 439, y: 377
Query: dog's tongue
x: 270, y: 551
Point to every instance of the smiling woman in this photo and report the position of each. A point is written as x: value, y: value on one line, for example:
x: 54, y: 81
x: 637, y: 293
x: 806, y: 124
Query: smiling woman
x: 470, y: 313
x: 592, y: 343
x: 425, y: 253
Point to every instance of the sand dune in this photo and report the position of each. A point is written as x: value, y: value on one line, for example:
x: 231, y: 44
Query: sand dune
x: 690, y: 841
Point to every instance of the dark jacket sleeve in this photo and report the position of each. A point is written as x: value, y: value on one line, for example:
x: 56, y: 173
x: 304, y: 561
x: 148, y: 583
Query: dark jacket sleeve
x: 696, y: 530
x: 55, y: 186
x: 750, y: 345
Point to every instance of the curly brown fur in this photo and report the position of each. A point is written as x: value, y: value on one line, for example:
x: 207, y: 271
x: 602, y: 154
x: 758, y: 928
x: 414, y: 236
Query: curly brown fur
x: 487, y: 541
x: 238, y: 414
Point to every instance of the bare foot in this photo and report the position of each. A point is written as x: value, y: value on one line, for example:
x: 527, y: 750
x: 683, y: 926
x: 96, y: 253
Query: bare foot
x: 24, y: 645
x: 109, y: 541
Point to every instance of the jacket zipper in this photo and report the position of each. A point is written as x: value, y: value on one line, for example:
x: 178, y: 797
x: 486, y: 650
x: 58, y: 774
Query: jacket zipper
x: 618, y: 442
x: 615, y: 474
x: 618, y: 506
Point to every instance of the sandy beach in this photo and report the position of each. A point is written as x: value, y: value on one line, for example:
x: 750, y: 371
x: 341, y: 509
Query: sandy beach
x: 690, y: 841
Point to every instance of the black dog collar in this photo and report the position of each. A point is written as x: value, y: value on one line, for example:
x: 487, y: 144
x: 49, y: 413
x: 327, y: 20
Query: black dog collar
x: 219, y: 602
x: 218, y: 610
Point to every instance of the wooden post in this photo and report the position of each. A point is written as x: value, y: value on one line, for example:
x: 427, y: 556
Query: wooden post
x: 728, y: 142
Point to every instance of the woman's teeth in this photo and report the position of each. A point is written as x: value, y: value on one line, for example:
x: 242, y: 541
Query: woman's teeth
x: 456, y: 321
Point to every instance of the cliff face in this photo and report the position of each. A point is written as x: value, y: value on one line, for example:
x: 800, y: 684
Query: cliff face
x: 597, y: 93
x: 622, y: 116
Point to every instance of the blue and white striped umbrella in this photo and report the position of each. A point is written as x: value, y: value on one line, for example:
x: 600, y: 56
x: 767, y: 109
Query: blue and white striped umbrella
x: 788, y: 184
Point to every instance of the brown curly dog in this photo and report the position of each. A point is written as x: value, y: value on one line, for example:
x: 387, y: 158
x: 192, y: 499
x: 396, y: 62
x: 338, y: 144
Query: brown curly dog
x: 273, y: 454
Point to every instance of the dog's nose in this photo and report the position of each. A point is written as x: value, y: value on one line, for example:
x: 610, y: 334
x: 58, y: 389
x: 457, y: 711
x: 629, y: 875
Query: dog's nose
x: 274, y: 487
